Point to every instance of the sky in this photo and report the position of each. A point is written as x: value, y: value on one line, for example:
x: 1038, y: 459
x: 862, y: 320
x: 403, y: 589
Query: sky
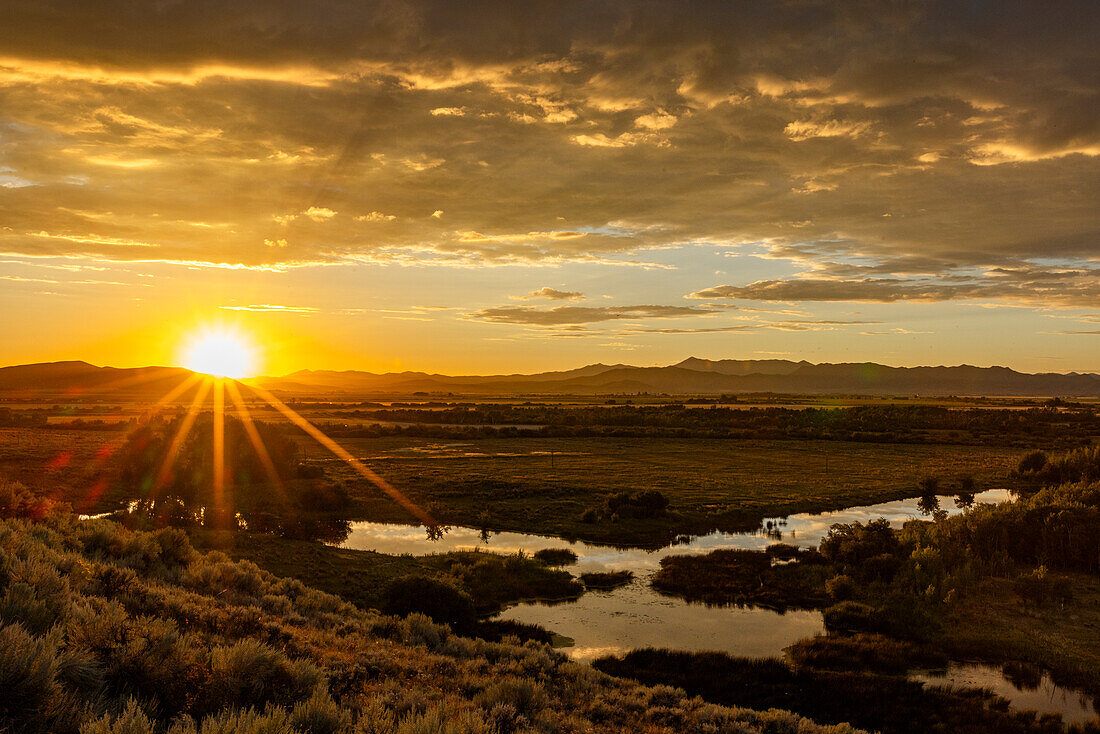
x: 491, y: 187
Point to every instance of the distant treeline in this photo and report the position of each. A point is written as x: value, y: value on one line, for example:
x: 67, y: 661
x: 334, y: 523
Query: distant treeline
x: 883, y: 423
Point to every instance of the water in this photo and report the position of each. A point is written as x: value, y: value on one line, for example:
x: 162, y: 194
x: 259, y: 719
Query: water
x: 635, y: 616
x: 1043, y: 696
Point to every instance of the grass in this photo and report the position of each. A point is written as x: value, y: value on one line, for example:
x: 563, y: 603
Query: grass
x: 62, y: 464
x: 605, y: 580
x: 517, y: 485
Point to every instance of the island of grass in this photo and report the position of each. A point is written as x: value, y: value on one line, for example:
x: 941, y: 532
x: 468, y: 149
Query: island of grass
x: 555, y: 556
x: 606, y: 580
x: 747, y: 578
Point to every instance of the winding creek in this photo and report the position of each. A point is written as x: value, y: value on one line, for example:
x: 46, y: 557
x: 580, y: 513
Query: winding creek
x: 634, y: 616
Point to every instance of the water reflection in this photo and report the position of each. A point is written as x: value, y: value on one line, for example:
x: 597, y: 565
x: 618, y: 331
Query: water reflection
x: 299, y: 525
x: 635, y: 615
x: 1031, y: 691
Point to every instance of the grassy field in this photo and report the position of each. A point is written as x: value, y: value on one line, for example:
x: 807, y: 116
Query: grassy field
x: 545, y: 486
x: 67, y: 465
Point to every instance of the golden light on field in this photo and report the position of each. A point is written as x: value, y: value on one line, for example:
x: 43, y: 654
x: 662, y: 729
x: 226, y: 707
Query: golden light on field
x: 221, y: 353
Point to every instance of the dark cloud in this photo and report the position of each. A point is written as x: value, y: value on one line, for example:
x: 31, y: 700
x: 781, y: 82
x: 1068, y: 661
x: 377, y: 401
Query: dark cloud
x: 1078, y: 287
x: 922, y: 138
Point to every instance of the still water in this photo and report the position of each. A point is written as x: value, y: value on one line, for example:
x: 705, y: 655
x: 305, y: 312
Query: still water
x: 635, y: 616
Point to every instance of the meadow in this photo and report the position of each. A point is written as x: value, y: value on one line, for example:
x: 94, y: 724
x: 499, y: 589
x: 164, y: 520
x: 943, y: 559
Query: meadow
x: 547, y: 486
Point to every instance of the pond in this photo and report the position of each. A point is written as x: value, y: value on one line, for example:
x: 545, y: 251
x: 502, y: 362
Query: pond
x: 634, y: 616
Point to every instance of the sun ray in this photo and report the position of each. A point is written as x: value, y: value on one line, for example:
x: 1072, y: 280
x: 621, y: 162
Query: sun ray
x: 364, y: 471
x: 108, y: 448
x: 254, y: 437
x: 123, y: 382
x: 181, y: 435
x: 219, y: 442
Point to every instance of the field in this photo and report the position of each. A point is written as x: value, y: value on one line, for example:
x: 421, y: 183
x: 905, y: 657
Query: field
x: 545, y: 486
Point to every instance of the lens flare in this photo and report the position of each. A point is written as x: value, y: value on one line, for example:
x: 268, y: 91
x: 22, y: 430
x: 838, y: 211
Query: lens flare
x: 220, y: 353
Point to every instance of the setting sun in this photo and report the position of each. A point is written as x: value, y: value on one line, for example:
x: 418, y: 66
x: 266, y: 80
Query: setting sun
x: 220, y: 353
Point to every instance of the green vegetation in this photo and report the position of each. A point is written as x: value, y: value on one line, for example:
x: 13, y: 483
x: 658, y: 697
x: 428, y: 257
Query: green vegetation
x: 108, y: 631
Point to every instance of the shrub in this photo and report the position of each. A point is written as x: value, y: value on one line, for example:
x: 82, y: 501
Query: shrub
x: 929, y: 485
x: 436, y: 599
x: 1039, y: 587
x: 1033, y: 462
x: 648, y: 504
x: 523, y: 695
x: 841, y: 587
x: 250, y: 673
x: 18, y: 501
x: 319, y: 714
x: 131, y: 721
x: 27, y: 685
x: 851, y: 616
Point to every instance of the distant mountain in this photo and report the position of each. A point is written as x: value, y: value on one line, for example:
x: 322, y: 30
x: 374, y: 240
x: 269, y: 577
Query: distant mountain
x: 60, y: 380
x: 702, y: 376
x: 691, y: 376
x: 742, y: 366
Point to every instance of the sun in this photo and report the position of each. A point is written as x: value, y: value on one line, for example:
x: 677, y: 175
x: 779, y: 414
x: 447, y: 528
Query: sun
x: 221, y: 353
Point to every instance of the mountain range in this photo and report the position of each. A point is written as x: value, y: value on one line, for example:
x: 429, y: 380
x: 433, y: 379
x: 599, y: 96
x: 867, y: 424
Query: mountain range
x: 691, y: 376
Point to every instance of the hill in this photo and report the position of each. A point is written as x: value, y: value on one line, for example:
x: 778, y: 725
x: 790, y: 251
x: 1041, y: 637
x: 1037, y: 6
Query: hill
x: 691, y: 376
x: 74, y: 379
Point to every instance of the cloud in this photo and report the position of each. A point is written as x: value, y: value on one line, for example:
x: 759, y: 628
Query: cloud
x: 268, y: 308
x: 559, y: 315
x: 790, y: 123
x: 1041, y: 286
x: 375, y: 217
x: 555, y: 295
x: 319, y: 213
